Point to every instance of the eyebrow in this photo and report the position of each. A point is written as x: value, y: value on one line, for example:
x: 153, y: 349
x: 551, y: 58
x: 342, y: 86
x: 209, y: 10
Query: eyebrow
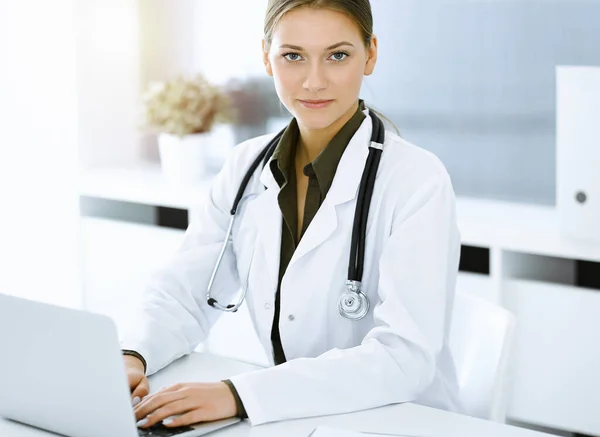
x: 331, y: 47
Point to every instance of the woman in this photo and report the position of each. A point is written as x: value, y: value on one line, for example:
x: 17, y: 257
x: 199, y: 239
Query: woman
x: 291, y: 243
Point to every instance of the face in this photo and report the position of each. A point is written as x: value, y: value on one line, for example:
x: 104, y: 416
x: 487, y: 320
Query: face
x: 318, y: 59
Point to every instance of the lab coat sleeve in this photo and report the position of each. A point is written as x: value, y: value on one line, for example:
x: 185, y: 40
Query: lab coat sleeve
x: 173, y: 316
x: 396, y: 361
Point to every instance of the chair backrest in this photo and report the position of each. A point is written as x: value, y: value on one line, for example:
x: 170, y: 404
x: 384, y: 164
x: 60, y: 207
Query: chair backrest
x: 481, y: 338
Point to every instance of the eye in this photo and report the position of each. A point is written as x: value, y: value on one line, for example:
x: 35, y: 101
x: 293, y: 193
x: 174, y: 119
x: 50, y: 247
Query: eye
x: 339, y: 56
x: 292, y: 57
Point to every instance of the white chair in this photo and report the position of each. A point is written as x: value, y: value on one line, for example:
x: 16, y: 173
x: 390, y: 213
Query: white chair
x: 481, y: 338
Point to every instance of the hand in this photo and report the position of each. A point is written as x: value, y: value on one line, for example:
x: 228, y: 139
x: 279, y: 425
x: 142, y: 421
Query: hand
x: 194, y: 402
x: 138, y: 383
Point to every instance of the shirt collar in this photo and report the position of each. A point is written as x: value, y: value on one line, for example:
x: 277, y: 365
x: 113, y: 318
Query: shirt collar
x: 324, y: 166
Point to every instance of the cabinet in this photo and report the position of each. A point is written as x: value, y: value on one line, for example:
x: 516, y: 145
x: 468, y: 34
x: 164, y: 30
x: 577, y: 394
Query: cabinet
x: 117, y: 259
x: 556, y: 381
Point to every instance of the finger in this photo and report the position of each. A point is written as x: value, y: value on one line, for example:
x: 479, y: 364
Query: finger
x: 189, y: 418
x: 154, y: 402
x: 142, y: 390
x: 146, y: 389
x: 133, y: 380
x: 171, y: 409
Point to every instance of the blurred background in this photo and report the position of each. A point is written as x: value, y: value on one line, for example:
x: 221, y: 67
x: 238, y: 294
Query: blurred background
x: 91, y: 204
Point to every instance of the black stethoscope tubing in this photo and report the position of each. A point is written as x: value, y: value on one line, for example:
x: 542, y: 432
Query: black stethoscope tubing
x: 353, y: 304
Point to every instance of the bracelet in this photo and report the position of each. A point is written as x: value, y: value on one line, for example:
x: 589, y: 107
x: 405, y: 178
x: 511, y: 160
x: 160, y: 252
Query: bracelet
x: 137, y: 355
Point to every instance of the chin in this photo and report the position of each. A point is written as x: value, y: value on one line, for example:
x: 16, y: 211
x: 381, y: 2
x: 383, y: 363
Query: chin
x: 315, y: 119
x: 313, y: 123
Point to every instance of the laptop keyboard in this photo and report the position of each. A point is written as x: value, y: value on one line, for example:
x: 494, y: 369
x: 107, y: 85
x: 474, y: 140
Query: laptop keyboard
x: 159, y: 430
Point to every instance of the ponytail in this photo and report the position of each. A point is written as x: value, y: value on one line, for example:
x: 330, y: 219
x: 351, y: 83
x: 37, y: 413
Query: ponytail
x: 384, y: 118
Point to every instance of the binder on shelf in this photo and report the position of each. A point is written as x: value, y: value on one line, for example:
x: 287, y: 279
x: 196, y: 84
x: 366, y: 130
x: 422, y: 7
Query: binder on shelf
x: 578, y: 151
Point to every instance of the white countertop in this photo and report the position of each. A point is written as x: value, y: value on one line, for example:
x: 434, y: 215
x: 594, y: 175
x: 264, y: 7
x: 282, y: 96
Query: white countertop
x: 519, y: 227
x: 407, y: 419
x: 486, y: 223
x: 142, y: 183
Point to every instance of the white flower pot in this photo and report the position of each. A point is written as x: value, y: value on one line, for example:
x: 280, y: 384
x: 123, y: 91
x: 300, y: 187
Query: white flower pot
x: 192, y: 158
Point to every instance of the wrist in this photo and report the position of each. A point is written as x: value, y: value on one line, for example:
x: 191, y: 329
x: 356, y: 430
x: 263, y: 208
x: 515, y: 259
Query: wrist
x: 128, y: 352
x: 133, y: 362
x: 230, y: 405
x: 239, y: 405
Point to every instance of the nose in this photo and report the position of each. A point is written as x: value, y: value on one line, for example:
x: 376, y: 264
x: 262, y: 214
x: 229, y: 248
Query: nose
x: 316, y: 79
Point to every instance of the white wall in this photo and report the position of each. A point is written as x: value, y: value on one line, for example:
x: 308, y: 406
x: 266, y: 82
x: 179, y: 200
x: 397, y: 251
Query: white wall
x: 108, y: 81
x: 229, y: 44
x: 38, y: 151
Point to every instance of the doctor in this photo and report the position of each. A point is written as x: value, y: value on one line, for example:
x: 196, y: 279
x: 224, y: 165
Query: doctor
x: 386, y: 340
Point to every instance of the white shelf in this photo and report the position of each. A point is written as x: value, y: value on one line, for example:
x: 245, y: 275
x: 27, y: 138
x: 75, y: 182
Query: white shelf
x: 520, y: 227
x: 143, y: 184
x: 486, y: 223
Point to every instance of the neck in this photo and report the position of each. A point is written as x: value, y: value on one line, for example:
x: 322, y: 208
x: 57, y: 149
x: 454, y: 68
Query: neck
x: 313, y: 141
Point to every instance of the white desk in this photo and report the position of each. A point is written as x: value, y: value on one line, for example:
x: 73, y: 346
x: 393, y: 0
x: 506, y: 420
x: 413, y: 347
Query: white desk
x: 407, y: 419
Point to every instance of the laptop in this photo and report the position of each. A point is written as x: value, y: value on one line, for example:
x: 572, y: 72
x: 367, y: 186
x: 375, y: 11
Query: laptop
x: 61, y: 370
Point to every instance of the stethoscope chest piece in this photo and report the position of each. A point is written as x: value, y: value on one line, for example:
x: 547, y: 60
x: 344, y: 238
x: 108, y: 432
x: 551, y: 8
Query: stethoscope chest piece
x: 353, y: 303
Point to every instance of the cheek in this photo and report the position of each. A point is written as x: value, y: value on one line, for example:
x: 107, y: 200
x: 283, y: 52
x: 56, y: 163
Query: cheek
x: 349, y: 77
x: 287, y: 84
x: 282, y: 81
x: 286, y: 78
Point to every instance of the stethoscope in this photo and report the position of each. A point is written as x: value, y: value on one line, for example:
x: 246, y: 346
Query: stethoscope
x: 353, y: 304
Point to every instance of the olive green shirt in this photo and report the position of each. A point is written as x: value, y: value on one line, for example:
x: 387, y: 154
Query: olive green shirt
x: 320, y: 173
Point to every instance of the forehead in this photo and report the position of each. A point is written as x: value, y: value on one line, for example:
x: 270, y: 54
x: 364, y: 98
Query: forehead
x: 315, y: 28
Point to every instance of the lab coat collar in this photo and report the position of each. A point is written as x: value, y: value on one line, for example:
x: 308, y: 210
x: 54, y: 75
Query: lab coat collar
x: 344, y: 188
x: 266, y: 217
x: 267, y: 178
x: 350, y: 169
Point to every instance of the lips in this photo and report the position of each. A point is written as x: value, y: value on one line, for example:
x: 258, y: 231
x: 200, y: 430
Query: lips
x: 316, y: 104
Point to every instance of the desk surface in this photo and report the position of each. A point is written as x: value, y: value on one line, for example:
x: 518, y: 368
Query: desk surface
x: 408, y: 419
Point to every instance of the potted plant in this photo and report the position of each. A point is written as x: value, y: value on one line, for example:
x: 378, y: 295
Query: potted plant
x: 184, y: 112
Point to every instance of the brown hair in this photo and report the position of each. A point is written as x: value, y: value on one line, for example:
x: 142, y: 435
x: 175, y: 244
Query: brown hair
x: 358, y: 10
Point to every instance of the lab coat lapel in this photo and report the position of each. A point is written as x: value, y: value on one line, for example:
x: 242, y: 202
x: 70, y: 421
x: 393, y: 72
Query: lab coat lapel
x: 344, y: 188
x: 265, y: 214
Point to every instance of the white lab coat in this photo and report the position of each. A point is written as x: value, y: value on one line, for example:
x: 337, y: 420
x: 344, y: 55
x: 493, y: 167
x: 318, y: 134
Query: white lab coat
x: 397, y: 353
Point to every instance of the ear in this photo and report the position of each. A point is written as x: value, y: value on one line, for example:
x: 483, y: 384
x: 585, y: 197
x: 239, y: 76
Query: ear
x: 371, y: 57
x: 266, y: 60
